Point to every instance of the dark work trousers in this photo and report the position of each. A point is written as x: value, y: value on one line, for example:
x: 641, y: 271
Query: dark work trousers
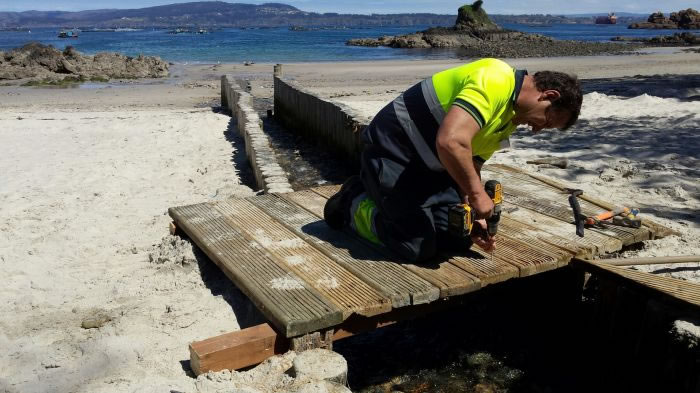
x: 412, y: 200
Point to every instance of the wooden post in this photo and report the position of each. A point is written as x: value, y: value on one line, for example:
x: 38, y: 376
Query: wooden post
x: 277, y: 71
x: 312, y: 341
x: 173, y: 229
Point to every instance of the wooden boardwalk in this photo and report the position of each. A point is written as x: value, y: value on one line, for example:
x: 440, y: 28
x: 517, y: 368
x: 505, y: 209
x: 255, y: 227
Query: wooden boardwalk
x: 305, y: 277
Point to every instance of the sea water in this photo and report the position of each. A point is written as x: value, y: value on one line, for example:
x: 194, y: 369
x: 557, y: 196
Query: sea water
x: 282, y: 44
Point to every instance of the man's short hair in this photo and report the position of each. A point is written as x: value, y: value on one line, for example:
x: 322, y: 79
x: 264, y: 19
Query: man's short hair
x: 569, y: 88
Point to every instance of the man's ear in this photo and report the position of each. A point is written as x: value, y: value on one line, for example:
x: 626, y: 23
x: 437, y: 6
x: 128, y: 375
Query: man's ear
x: 550, y: 95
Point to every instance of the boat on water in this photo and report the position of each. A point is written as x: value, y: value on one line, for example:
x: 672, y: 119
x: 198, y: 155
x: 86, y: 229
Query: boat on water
x: 68, y: 34
x: 610, y: 19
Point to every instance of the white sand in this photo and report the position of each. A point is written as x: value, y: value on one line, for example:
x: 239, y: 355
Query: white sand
x: 83, y: 203
x: 87, y: 175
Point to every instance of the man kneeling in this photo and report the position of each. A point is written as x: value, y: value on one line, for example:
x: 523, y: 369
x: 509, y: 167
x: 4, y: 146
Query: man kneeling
x: 424, y: 151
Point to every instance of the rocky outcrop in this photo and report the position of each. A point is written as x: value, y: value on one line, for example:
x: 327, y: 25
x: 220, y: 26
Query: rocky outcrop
x: 36, y: 62
x: 474, y: 34
x: 685, y: 19
x: 677, y: 39
x: 474, y: 20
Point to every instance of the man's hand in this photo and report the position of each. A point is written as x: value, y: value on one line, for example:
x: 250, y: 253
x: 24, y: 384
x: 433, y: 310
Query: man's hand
x: 480, y: 236
x: 482, y: 204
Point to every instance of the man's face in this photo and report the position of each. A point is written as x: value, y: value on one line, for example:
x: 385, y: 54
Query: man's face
x: 539, y: 114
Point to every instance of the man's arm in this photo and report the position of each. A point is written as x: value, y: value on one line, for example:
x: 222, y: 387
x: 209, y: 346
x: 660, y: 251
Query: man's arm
x: 454, y: 148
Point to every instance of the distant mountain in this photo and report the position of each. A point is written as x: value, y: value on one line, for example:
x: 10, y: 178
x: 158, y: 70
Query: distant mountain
x: 539, y: 19
x: 211, y: 14
x: 223, y: 14
x: 619, y: 14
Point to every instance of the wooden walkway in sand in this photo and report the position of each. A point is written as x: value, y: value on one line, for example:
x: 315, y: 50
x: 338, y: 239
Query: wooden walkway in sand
x: 305, y: 277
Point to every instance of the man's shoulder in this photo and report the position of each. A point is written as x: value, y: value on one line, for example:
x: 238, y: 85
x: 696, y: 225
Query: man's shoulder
x: 492, y: 66
x: 496, y: 78
x: 494, y: 63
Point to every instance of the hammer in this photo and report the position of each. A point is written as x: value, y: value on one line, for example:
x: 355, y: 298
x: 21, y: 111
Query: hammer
x: 579, y: 219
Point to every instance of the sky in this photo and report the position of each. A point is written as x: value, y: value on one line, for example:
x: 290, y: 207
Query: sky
x: 384, y: 6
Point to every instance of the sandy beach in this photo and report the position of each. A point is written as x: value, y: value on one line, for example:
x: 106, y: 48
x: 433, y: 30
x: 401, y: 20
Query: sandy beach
x: 89, y: 173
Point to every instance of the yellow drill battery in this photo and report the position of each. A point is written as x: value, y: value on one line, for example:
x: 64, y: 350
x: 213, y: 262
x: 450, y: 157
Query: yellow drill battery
x: 460, y: 220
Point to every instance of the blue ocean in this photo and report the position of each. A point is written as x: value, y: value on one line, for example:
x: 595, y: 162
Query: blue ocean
x: 283, y: 44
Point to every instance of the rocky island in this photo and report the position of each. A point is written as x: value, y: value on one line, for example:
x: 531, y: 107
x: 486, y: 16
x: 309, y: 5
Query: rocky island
x: 685, y: 19
x: 35, y: 63
x: 475, y: 35
x: 677, y: 39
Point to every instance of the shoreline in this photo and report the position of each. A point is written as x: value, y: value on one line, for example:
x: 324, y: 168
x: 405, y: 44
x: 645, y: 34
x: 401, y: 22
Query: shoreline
x: 198, y: 85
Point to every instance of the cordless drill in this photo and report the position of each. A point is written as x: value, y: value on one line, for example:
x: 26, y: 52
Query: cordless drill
x: 461, y: 217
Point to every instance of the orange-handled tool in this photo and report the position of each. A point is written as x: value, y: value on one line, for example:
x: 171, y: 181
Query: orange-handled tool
x: 607, y: 215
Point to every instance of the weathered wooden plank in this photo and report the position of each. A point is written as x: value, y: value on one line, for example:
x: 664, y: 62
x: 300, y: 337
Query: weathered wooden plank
x: 483, y: 266
x: 389, y: 278
x: 451, y: 280
x: 327, y: 191
x: 523, y: 231
x: 686, y: 291
x: 561, y: 212
x: 525, y: 185
x: 309, y: 200
x: 594, y: 242
x: 337, y: 284
x: 542, y: 240
x: 657, y: 229
x: 531, y: 258
x: 286, y: 300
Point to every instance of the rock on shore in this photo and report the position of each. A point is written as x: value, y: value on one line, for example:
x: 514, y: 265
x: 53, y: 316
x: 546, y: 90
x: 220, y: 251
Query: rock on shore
x: 474, y: 34
x: 37, y: 62
x: 677, y: 39
x: 684, y: 19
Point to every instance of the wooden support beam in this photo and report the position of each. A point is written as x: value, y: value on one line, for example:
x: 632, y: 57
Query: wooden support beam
x: 248, y: 347
x: 236, y: 350
x: 650, y: 260
x: 686, y: 292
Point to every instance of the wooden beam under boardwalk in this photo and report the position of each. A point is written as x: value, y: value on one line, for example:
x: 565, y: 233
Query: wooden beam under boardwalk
x: 250, y: 346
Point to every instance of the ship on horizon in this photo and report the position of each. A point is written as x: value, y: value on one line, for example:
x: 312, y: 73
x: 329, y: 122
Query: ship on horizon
x: 610, y: 19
